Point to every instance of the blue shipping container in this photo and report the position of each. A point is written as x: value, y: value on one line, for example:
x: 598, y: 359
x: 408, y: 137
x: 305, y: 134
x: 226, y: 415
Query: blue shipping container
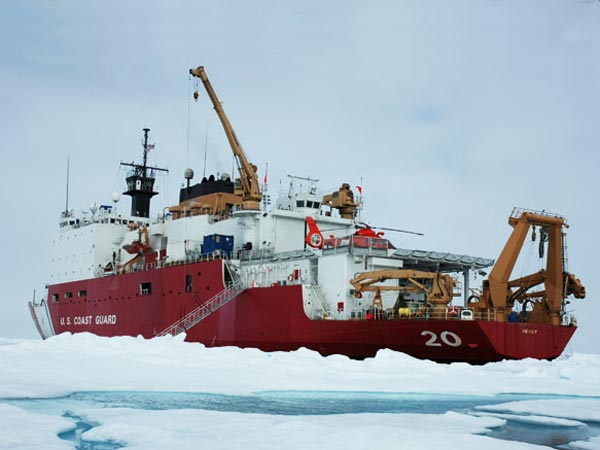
x: 218, y: 242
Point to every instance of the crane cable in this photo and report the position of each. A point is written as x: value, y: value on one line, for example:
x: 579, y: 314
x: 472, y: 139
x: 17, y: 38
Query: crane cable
x: 187, y: 161
x: 526, y: 262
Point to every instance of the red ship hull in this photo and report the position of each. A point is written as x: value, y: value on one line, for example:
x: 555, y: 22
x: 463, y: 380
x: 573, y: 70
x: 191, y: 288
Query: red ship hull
x: 273, y: 319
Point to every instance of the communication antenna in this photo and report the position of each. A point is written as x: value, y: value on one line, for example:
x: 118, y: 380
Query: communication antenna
x: 205, y: 148
x: 361, y: 199
x: 265, y: 188
x: 66, y: 213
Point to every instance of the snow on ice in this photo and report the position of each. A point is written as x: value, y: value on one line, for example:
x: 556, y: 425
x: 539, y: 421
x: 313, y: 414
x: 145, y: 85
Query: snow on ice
x: 587, y: 409
x: 591, y: 444
x: 192, y: 429
x: 76, y: 363
x: 85, y: 362
x: 23, y: 430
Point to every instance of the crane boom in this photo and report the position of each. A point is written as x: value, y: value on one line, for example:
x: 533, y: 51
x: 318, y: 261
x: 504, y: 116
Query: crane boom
x: 249, y: 179
x: 439, y: 289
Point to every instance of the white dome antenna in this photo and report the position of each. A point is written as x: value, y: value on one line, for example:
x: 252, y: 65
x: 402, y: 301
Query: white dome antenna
x: 188, y: 175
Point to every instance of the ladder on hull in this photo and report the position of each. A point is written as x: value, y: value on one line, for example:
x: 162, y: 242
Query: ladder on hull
x: 232, y: 290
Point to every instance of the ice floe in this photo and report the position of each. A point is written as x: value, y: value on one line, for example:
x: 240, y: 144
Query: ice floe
x: 193, y: 429
x: 580, y: 409
x: 25, y: 430
x: 85, y: 362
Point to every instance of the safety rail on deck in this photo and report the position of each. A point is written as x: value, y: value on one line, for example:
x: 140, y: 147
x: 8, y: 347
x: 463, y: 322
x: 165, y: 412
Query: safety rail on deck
x: 267, y: 254
x: 159, y: 264
x: 204, y: 310
x: 517, y: 212
x: 356, y: 245
x: 431, y: 313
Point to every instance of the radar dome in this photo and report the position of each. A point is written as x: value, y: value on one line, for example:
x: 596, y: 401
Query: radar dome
x: 116, y: 197
x: 225, y: 177
x: 188, y: 174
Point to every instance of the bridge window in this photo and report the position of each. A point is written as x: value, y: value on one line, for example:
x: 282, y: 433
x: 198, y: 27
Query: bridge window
x: 300, y: 203
x: 146, y: 288
x: 55, y: 298
x: 82, y: 293
x: 68, y: 294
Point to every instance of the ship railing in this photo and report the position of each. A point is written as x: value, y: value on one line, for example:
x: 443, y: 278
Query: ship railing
x: 356, y: 245
x: 233, y: 271
x: 517, y: 212
x: 159, y: 264
x: 231, y: 291
x: 267, y: 254
x: 315, y: 292
x: 255, y: 255
x: 448, y: 313
x: 213, y: 218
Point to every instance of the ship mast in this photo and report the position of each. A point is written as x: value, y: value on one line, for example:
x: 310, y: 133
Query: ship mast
x: 140, y: 182
x: 66, y: 213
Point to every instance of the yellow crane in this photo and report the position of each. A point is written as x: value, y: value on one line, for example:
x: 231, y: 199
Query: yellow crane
x: 438, y: 287
x: 250, y: 186
x: 343, y: 201
x: 499, y: 292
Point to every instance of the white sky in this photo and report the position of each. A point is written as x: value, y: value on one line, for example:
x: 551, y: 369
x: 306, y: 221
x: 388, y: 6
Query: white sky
x: 450, y: 112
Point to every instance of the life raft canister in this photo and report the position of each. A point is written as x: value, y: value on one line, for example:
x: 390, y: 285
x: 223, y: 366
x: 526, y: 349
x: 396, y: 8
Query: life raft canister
x: 453, y: 311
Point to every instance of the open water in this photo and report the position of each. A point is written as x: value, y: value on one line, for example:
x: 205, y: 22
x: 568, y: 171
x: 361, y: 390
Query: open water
x: 302, y: 403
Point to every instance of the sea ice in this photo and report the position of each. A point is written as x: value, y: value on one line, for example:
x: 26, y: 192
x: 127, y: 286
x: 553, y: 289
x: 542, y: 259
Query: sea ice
x: 84, y: 362
x: 585, y: 409
x: 535, y: 420
x: 24, y: 430
x: 193, y: 429
x: 590, y: 444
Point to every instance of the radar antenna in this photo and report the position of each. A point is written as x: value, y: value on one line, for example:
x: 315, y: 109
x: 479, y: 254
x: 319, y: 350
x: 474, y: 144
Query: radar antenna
x: 140, y: 182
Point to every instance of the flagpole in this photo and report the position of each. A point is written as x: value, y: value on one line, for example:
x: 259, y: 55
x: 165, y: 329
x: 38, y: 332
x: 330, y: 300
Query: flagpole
x: 360, y: 201
x: 67, y: 199
x: 265, y: 187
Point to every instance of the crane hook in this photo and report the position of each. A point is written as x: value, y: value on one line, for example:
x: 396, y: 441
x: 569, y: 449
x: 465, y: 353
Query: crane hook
x: 196, y: 95
x: 543, y: 240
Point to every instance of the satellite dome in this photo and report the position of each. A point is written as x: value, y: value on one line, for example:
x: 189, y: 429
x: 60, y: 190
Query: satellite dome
x: 225, y: 177
x: 188, y: 174
x: 116, y: 197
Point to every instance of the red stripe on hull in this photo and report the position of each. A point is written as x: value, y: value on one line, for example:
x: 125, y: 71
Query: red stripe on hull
x: 273, y: 319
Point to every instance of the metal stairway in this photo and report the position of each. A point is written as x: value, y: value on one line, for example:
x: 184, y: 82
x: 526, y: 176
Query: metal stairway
x: 315, y: 290
x: 231, y: 291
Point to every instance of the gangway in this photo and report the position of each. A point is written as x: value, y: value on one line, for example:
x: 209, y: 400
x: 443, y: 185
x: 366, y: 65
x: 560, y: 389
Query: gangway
x: 232, y: 290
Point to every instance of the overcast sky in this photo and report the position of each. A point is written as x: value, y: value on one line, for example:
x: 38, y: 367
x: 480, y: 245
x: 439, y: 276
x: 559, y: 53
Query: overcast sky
x: 451, y: 113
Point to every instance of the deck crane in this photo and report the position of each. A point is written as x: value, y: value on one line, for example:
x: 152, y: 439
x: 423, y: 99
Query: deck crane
x: 251, y: 194
x: 500, y: 292
x: 438, y: 287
